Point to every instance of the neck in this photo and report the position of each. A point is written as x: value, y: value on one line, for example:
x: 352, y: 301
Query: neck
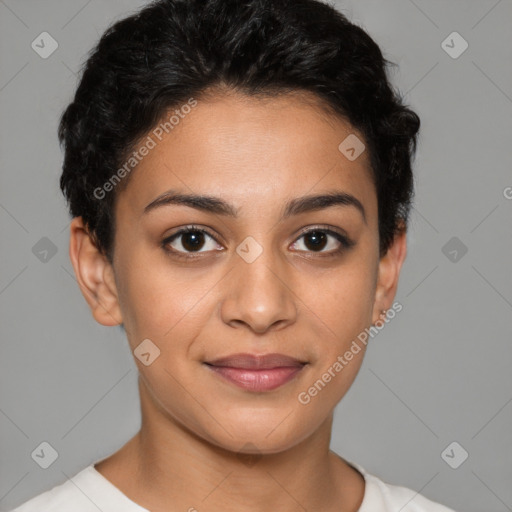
x: 167, y: 463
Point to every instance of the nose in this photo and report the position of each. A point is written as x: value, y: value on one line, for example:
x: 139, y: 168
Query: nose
x: 258, y: 295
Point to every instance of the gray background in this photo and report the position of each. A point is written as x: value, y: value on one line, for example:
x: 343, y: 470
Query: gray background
x: 438, y: 373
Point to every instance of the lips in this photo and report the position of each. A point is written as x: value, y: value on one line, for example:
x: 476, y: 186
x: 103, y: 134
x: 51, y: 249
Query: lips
x: 256, y: 362
x: 257, y: 372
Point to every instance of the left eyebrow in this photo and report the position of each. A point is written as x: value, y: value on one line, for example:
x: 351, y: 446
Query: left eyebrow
x: 321, y: 201
x: 295, y: 206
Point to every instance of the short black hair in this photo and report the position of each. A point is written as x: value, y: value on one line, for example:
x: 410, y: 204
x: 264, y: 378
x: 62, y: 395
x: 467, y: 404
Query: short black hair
x: 173, y: 50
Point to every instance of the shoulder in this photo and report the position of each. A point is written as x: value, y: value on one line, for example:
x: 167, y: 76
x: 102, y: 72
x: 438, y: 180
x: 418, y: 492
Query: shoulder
x: 63, y: 497
x: 385, y: 497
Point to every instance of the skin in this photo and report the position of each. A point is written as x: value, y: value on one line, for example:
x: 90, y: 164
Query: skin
x: 256, y: 155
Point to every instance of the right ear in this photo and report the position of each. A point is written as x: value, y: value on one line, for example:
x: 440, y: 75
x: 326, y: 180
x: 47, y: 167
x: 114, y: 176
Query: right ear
x: 94, y: 274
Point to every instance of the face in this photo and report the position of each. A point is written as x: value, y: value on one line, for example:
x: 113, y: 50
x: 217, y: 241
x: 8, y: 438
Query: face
x: 259, y: 268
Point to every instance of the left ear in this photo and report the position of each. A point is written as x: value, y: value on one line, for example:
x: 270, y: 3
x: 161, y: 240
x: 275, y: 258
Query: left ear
x: 389, y: 271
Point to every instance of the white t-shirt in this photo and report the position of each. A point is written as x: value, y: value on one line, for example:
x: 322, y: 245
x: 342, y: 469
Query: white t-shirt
x: 90, y: 491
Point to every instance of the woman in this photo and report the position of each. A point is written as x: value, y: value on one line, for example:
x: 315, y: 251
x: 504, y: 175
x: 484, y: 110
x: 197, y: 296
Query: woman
x: 239, y: 177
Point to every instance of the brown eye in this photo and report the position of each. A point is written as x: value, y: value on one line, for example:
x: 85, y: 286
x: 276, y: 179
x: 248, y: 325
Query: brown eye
x: 315, y: 240
x: 318, y: 239
x: 190, y: 240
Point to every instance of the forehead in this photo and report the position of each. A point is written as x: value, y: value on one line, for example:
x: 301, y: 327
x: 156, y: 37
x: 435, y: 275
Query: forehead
x: 251, y: 151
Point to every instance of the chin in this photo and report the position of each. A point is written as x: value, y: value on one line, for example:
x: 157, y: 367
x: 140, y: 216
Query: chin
x: 266, y: 434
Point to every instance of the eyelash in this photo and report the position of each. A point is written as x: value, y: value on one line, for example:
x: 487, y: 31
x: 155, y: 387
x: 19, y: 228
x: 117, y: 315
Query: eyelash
x: 345, y: 242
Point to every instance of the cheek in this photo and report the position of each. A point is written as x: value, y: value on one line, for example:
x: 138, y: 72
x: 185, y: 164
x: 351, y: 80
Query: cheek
x: 161, y: 301
x: 340, y: 310
x: 342, y: 301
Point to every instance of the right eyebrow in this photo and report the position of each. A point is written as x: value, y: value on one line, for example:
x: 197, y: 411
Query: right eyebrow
x: 208, y: 204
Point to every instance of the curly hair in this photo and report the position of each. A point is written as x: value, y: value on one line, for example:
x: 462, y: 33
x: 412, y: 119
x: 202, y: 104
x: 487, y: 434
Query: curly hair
x: 172, y: 50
